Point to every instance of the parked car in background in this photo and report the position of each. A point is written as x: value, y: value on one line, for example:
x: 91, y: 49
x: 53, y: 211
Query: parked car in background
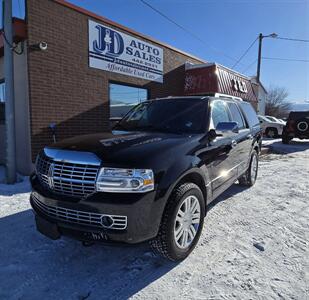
x: 297, y: 126
x: 274, y: 119
x: 271, y: 129
x: 282, y: 121
x: 149, y: 179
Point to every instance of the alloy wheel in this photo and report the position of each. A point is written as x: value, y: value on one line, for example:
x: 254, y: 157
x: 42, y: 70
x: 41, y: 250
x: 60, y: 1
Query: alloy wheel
x: 187, y: 222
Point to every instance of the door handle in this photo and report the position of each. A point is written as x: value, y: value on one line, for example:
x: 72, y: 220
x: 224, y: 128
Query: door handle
x: 233, y: 144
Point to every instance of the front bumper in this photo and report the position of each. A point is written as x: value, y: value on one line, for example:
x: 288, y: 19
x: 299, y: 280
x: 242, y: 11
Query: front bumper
x: 80, y: 219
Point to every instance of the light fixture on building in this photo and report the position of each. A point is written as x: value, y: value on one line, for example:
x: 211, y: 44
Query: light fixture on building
x: 41, y: 46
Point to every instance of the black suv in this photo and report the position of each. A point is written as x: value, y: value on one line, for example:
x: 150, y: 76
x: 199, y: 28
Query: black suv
x: 151, y: 178
x: 297, y: 126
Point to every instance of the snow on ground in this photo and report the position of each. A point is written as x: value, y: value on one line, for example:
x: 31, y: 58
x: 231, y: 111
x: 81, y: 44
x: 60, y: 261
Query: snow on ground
x: 255, y: 244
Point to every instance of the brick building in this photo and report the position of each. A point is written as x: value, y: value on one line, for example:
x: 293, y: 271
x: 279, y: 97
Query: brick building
x: 92, y: 70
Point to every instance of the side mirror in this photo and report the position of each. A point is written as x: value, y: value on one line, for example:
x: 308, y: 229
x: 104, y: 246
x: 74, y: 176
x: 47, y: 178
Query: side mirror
x: 227, y: 127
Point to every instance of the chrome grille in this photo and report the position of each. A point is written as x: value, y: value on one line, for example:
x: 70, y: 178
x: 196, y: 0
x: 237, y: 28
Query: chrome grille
x: 42, y: 168
x: 66, y: 178
x: 80, y: 217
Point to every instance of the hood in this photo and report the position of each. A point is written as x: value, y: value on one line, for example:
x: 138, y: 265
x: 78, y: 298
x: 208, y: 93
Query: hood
x: 125, y: 148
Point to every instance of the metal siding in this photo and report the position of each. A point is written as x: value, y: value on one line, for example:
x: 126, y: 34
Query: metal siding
x: 217, y: 79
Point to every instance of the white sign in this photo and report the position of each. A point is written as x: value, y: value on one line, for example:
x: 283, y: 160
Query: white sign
x: 118, y: 52
x: 239, y: 86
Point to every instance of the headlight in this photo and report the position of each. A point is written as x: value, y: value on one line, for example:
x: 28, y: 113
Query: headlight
x: 125, y: 180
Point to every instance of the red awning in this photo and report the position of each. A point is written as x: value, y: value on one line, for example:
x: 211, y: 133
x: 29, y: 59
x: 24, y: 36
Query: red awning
x: 213, y: 78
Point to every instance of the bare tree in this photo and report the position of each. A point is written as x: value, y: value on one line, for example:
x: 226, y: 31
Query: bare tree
x: 276, y: 102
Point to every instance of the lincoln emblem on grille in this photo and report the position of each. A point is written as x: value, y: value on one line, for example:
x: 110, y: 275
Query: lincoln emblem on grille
x: 50, y: 176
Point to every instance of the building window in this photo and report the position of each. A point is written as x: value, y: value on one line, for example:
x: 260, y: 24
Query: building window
x: 123, y: 98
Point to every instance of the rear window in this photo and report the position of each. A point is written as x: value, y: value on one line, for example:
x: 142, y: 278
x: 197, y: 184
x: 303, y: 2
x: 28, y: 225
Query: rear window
x: 249, y: 113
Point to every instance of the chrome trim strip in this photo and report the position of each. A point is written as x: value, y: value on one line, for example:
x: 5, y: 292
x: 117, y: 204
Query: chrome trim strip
x: 227, y: 172
x: 66, y: 176
x: 50, y: 175
x: 75, y: 157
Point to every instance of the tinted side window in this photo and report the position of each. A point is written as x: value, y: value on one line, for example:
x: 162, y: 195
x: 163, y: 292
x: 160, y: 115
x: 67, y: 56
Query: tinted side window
x: 219, y: 113
x: 236, y: 115
x: 250, y: 114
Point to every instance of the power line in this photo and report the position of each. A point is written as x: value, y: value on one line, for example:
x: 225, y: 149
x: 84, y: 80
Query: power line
x: 186, y: 30
x: 291, y: 39
x: 249, y: 66
x: 13, y: 47
x: 285, y: 59
x: 251, y: 45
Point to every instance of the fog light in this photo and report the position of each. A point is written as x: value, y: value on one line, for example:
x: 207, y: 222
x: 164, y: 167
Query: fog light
x: 107, y: 221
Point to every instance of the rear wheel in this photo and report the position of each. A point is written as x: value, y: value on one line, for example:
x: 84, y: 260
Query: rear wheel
x: 271, y: 132
x: 249, y: 178
x: 182, y: 223
x: 302, y: 125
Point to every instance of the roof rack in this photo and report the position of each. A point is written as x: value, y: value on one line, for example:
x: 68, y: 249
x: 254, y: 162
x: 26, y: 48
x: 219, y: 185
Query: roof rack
x: 225, y: 96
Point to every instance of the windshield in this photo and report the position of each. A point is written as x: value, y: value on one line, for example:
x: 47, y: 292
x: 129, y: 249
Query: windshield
x: 170, y: 115
x: 261, y: 118
x: 272, y: 119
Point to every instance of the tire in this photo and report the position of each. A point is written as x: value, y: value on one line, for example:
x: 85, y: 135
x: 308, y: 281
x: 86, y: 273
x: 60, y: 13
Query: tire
x: 166, y: 243
x: 249, y: 178
x: 286, y: 139
x: 271, y: 132
x: 302, y: 125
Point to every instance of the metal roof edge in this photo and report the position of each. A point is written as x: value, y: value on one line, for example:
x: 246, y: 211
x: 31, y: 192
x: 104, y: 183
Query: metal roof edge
x: 197, y: 66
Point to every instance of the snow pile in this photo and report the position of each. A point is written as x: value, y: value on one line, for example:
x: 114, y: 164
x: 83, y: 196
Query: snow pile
x: 255, y: 244
x: 22, y: 185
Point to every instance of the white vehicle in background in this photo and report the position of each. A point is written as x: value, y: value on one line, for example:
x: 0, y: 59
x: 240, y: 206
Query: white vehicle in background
x: 271, y: 128
x: 273, y: 119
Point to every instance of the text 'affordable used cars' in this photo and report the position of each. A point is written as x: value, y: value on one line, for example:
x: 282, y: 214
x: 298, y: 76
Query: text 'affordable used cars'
x: 151, y: 177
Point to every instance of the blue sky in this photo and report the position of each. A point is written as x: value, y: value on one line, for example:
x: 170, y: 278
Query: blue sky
x: 228, y: 27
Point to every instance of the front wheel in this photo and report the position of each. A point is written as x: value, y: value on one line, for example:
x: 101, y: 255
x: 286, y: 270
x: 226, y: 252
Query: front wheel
x: 271, y: 132
x: 249, y: 178
x: 182, y: 223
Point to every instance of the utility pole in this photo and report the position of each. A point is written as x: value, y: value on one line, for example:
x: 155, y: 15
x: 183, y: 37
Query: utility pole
x: 261, y: 37
x: 259, y: 59
x: 9, y: 94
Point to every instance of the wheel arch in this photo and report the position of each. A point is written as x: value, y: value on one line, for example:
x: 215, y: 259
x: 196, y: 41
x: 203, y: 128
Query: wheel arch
x: 197, y: 177
x: 271, y: 127
x: 257, y: 149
